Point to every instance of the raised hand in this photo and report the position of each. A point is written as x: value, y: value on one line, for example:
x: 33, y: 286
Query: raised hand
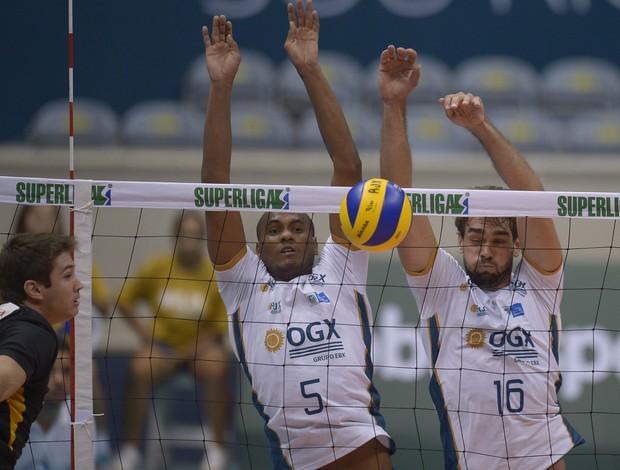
x: 302, y: 41
x: 221, y: 50
x: 463, y: 109
x: 398, y: 74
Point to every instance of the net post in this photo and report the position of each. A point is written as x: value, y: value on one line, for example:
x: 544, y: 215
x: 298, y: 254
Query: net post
x: 82, y: 419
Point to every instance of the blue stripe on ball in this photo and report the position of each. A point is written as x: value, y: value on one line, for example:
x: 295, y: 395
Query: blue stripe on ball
x: 390, y: 216
x: 354, y: 198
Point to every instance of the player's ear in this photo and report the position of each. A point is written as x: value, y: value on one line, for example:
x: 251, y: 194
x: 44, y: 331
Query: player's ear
x: 516, y: 251
x: 258, y: 248
x: 460, y: 243
x: 315, y: 246
x: 32, y: 290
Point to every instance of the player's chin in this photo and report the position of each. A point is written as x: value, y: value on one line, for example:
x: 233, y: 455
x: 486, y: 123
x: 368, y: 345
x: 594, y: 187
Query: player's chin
x: 75, y: 308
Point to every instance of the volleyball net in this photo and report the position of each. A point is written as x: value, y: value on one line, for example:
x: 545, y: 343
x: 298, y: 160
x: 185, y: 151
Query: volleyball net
x: 120, y: 224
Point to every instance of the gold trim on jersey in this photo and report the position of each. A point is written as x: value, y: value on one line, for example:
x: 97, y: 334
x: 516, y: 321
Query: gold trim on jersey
x: 429, y: 264
x: 233, y: 261
x: 17, y: 407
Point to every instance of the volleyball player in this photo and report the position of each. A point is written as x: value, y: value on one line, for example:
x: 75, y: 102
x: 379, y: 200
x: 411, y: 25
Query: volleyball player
x: 38, y: 287
x: 48, y: 219
x: 49, y: 444
x: 492, y: 334
x: 301, y: 332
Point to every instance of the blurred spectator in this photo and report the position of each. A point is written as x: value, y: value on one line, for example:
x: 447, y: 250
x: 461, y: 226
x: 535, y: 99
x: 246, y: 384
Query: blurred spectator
x: 188, y: 331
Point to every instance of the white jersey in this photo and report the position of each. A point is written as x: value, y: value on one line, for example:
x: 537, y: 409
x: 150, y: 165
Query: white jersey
x: 495, y: 371
x: 305, y: 346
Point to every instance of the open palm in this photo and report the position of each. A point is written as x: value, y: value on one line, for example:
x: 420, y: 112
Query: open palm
x: 221, y: 50
x: 302, y: 41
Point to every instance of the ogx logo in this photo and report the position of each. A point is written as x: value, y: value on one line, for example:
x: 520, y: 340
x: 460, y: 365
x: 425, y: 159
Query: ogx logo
x: 316, y: 339
x: 516, y: 338
x: 313, y: 332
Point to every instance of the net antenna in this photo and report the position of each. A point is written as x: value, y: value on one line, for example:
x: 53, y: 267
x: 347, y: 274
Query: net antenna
x: 81, y: 405
x: 71, y: 225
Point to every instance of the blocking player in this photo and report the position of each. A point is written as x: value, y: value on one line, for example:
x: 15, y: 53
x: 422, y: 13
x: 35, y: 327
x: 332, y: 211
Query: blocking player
x: 302, y: 333
x: 38, y: 287
x: 492, y: 334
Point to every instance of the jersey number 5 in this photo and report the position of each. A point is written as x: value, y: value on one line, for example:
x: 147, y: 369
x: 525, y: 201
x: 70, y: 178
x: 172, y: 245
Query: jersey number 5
x: 314, y: 395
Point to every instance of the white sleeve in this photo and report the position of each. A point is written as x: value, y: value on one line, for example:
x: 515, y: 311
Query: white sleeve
x: 353, y: 264
x: 430, y: 288
x: 235, y: 281
x: 548, y: 287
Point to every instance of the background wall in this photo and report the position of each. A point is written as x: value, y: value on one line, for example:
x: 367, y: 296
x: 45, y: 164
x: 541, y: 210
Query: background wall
x: 130, y: 51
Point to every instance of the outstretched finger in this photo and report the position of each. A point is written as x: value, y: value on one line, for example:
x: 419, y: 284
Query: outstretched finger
x: 301, y: 19
x: 229, y: 33
x: 228, y: 30
x: 308, y: 16
x: 291, y: 14
x: 315, y: 21
x: 205, y: 37
x: 221, y: 31
x: 215, y: 30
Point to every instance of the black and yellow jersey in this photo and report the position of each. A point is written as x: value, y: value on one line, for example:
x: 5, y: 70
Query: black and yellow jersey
x: 27, y: 338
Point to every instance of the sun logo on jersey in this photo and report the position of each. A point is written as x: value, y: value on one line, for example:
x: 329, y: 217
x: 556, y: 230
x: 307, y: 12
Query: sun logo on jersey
x: 475, y: 338
x: 274, y: 339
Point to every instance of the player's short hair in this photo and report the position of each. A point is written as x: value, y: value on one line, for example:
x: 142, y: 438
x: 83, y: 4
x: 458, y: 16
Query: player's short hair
x: 461, y: 222
x: 29, y: 256
x: 262, y: 223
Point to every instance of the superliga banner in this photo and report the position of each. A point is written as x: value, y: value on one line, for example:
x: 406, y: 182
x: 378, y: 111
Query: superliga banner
x: 318, y: 199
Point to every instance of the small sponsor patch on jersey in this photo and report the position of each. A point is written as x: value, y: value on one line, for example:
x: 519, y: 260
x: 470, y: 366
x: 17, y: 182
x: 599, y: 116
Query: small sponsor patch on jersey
x: 275, y: 307
x: 315, y: 298
x: 519, y: 287
x: 517, y: 310
x: 479, y: 310
x: 317, y: 279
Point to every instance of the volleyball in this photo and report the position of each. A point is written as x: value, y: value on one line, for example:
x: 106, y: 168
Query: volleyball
x: 375, y: 214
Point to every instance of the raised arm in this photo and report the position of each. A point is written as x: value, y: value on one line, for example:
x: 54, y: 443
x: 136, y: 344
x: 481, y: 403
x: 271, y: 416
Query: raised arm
x: 225, y: 233
x: 538, y: 237
x: 398, y: 76
x: 12, y: 377
x: 302, y: 47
